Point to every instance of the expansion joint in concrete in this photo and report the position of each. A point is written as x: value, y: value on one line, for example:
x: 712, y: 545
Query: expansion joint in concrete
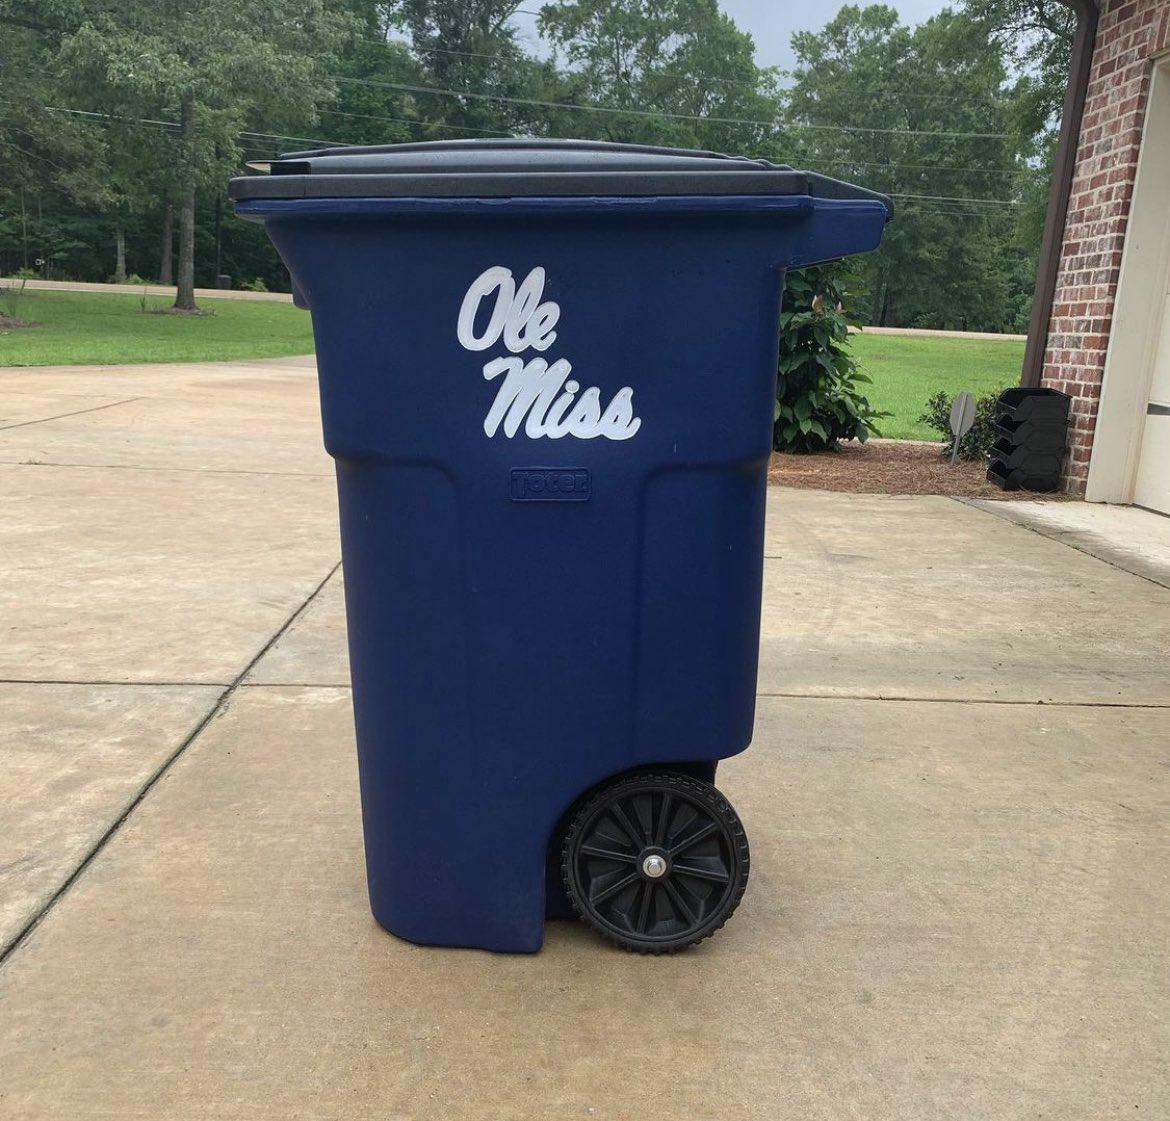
x: 907, y: 699
x: 216, y: 710
x: 157, y: 469
x: 75, y: 412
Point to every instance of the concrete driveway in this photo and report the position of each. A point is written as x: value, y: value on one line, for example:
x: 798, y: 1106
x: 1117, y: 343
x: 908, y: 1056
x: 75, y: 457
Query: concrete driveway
x: 957, y: 800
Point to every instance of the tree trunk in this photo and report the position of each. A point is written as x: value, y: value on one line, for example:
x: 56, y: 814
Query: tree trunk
x: 185, y: 293
x: 185, y: 296
x: 119, y: 255
x: 166, y: 269
x: 23, y: 232
x: 218, y: 238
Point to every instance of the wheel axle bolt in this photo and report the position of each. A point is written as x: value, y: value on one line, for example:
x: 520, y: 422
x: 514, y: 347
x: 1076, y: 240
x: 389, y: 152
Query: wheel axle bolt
x: 654, y: 866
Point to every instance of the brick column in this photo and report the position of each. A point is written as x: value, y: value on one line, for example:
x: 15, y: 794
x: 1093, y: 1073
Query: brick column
x: 1129, y: 35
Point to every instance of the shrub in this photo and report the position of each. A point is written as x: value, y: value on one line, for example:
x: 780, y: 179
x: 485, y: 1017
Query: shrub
x: 976, y: 444
x: 10, y: 297
x: 818, y: 402
x: 256, y: 285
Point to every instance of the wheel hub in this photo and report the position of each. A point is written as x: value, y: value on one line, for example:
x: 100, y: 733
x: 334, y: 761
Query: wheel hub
x: 654, y: 866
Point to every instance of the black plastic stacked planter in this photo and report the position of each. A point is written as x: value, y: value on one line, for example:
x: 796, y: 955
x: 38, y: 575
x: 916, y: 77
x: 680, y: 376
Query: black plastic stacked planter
x: 1031, y: 428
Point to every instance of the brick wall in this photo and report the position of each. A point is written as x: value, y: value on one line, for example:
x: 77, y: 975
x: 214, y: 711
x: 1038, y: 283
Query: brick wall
x: 1129, y: 34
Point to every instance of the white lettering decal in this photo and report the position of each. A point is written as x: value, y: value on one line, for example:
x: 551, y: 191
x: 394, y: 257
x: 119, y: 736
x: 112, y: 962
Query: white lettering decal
x: 536, y: 393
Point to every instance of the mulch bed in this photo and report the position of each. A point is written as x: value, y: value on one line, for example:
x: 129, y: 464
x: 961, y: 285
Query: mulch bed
x: 888, y: 467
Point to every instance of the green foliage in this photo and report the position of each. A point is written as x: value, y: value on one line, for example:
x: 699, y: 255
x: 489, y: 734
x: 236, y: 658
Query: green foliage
x: 40, y: 149
x: 818, y: 402
x: 871, y: 100
x: 976, y: 443
x: 1035, y: 38
x: 929, y: 109
x: 255, y: 285
x: 11, y: 295
x: 55, y: 240
x: 666, y: 61
x: 210, y: 63
x: 906, y: 369
x: 471, y: 46
x: 111, y: 327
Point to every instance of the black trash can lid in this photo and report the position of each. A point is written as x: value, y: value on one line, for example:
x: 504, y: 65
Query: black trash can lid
x: 530, y: 168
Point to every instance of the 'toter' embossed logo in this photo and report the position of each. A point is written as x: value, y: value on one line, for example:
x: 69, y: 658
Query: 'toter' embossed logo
x: 549, y: 484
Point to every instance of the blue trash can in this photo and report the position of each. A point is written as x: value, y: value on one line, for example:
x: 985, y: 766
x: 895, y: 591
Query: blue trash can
x: 547, y: 375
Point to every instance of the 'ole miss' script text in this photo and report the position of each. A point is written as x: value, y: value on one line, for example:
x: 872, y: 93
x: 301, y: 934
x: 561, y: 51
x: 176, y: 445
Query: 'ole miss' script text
x: 534, y: 392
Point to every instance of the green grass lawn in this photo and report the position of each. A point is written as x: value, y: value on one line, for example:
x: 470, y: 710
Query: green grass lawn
x: 104, y: 327
x: 907, y: 369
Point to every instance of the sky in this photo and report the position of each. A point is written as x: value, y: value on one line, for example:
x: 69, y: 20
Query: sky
x: 771, y: 22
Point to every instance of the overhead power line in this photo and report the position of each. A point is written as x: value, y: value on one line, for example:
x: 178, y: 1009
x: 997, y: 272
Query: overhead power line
x: 91, y: 115
x: 951, y: 198
x: 174, y: 125
x: 443, y: 50
x: 30, y: 155
x: 412, y: 121
x: 910, y: 166
x: 403, y: 87
x: 110, y: 116
x: 916, y: 95
x: 490, y: 55
x: 252, y: 135
x: 923, y: 96
x: 302, y: 139
x: 475, y: 95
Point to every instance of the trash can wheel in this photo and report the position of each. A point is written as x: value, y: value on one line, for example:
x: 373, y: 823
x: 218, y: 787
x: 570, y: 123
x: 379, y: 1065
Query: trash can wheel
x: 655, y: 862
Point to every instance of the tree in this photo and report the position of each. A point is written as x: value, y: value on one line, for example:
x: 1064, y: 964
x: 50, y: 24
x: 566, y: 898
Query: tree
x: 43, y: 153
x: 920, y: 114
x: 215, y: 64
x: 469, y: 49
x: 682, y: 67
x: 1035, y: 37
x: 166, y: 99
x: 364, y: 111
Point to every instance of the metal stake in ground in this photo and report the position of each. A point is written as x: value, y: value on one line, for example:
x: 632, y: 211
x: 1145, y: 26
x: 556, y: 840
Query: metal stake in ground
x: 962, y: 417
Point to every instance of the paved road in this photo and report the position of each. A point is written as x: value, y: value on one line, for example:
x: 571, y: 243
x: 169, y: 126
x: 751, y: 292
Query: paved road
x: 930, y: 333
x: 956, y: 797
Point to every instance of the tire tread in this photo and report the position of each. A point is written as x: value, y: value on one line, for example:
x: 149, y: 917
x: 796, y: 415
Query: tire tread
x: 691, y: 787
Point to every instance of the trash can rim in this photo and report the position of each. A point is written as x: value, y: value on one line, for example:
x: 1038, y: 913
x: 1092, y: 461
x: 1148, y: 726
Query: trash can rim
x: 531, y: 168
x: 778, y: 207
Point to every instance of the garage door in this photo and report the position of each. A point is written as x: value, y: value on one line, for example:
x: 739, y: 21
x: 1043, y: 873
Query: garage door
x: 1152, y: 488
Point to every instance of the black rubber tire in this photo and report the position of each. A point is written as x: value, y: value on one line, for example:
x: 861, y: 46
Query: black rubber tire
x: 697, y: 835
